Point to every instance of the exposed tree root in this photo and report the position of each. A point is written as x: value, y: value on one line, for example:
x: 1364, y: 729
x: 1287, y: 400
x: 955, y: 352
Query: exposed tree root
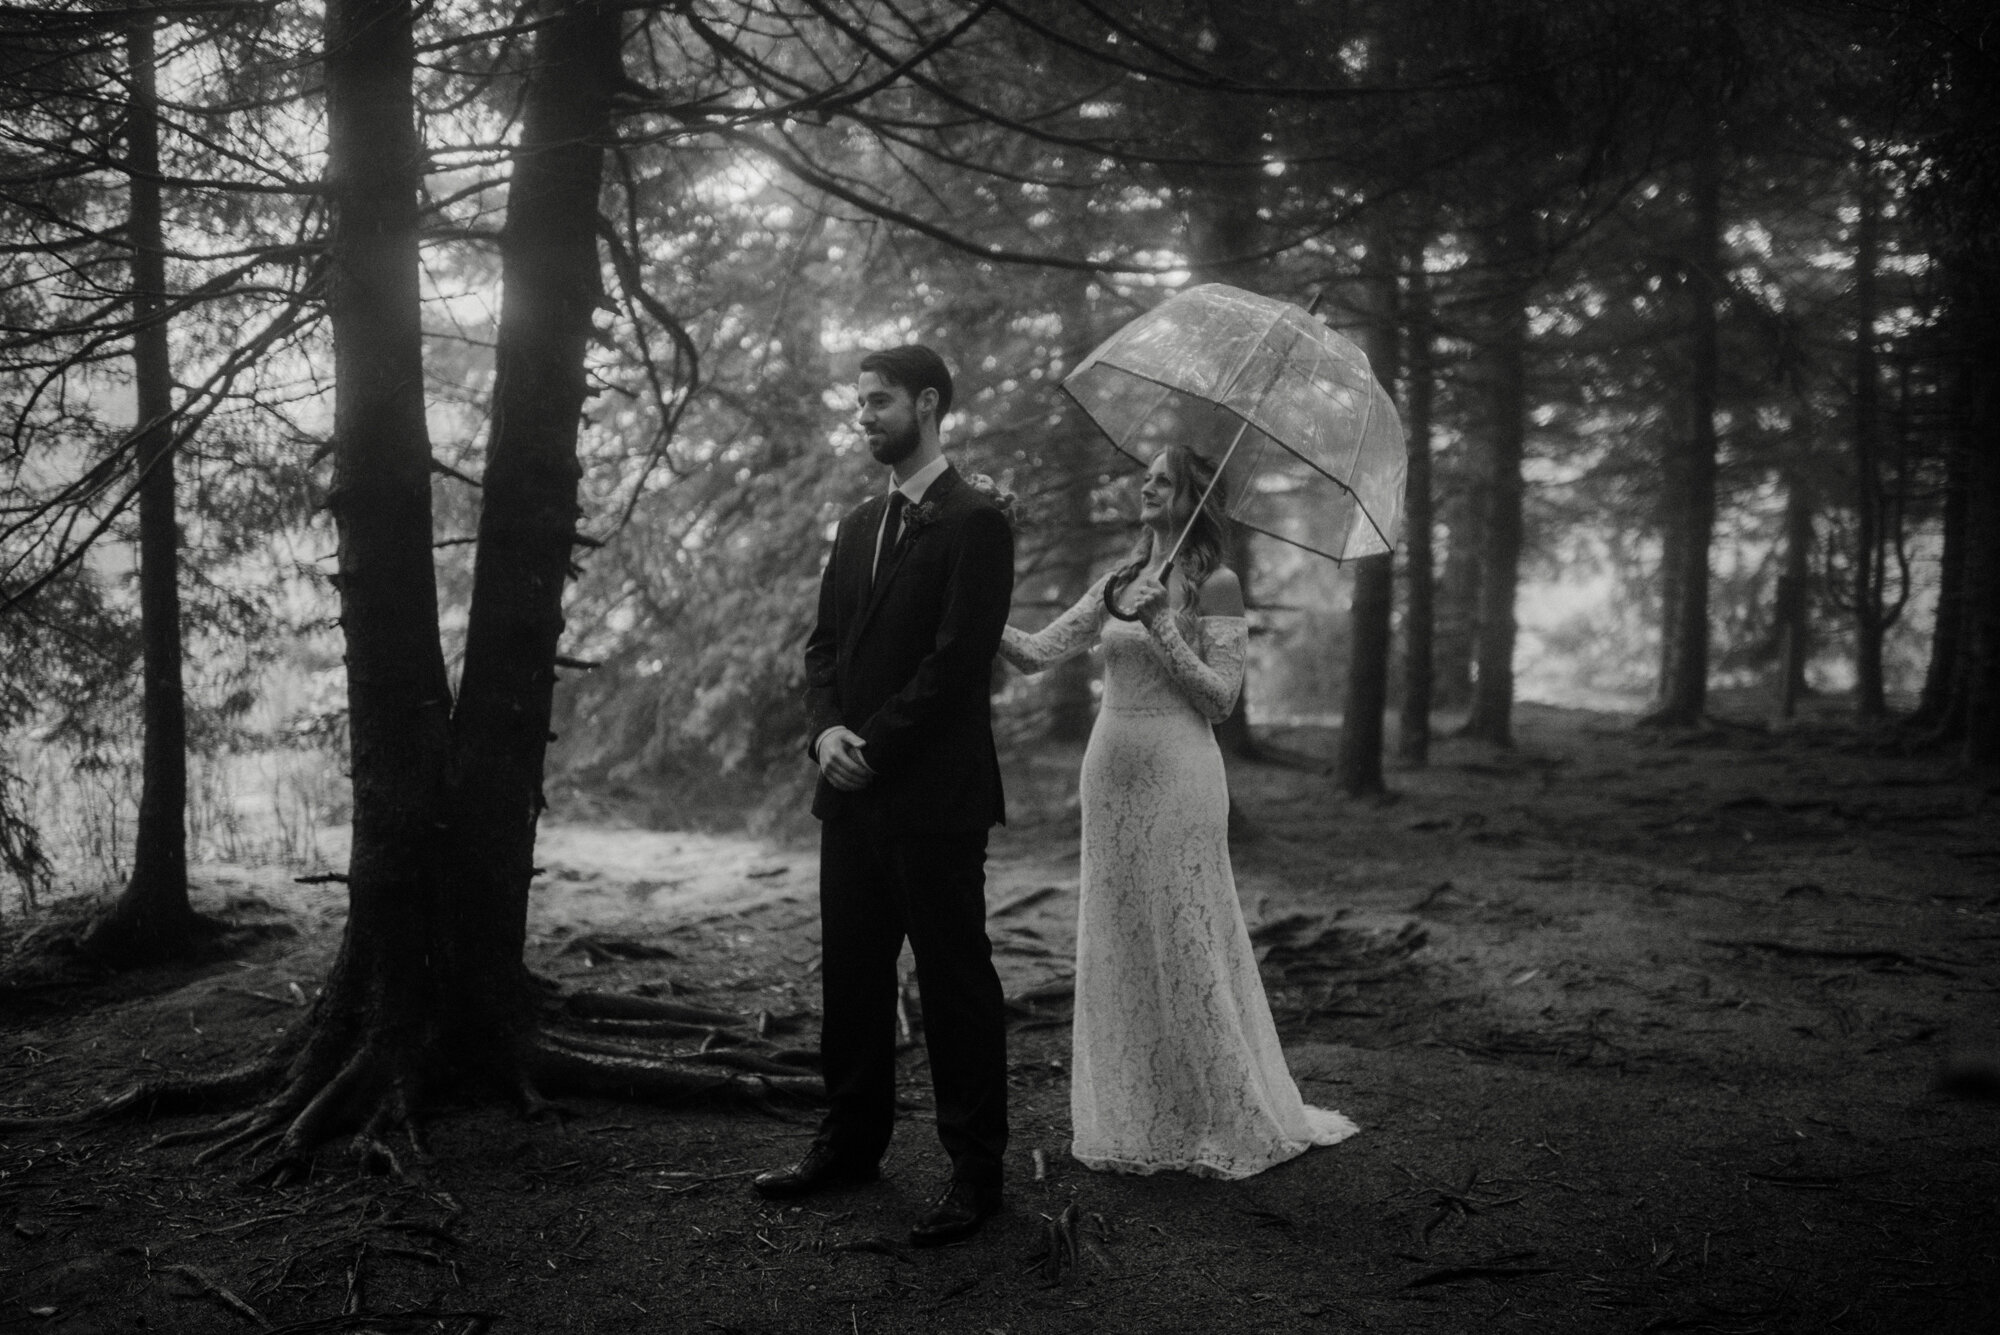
x: 615, y: 949
x: 620, y: 1006
x: 371, y: 1091
x: 757, y: 1063
x: 653, y: 1029
x: 1025, y: 1008
x: 377, y: 1152
x: 1062, y: 1246
x: 1284, y: 757
x: 773, y: 1061
x: 1864, y: 954
x: 157, y: 1098
x: 119, y: 940
x: 324, y: 1084
x: 559, y: 1064
x: 71, y: 943
x: 805, y: 1059
x: 206, y: 1287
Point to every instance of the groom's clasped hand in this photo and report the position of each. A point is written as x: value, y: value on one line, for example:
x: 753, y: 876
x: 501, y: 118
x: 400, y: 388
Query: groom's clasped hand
x: 840, y: 760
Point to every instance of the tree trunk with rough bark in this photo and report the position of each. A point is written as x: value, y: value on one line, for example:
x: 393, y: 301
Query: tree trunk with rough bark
x: 529, y: 511
x: 1233, y: 734
x: 1794, y: 603
x: 1413, y: 744
x: 1358, y: 763
x: 1503, y: 358
x: 1687, y: 493
x: 1079, y: 456
x: 1454, y: 635
x: 429, y: 993
x: 378, y: 1027
x: 152, y: 919
x: 1979, y: 680
x: 1870, y: 624
x: 1224, y: 233
x: 1940, y: 699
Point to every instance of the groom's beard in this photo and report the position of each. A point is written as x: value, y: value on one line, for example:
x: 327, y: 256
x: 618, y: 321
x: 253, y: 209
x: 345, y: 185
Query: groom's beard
x: 893, y: 449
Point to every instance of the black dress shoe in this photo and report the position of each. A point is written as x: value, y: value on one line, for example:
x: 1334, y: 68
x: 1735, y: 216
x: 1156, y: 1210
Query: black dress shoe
x: 957, y: 1215
x: 820, y: 1170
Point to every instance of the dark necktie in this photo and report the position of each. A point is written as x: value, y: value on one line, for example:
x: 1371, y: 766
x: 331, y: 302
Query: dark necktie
x: 892, y: 528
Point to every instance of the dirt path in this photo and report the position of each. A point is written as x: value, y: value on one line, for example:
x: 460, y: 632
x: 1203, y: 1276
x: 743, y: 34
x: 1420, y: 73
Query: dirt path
x: 1642, y: 1032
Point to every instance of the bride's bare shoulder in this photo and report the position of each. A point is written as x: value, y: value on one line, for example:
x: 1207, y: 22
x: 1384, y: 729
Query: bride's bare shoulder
x: 1222, y: 594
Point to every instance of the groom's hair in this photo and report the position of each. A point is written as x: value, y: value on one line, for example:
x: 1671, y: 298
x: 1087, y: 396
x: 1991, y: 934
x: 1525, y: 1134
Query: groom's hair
x: 913, y: 368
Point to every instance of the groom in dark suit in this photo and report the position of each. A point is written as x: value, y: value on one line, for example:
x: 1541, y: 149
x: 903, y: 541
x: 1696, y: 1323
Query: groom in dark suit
x: 898, y: 667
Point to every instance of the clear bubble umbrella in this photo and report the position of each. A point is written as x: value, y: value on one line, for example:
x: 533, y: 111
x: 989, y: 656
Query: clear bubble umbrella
x: 1308, y: 444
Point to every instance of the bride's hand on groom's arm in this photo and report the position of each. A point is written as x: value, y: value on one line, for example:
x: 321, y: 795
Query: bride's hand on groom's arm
x: 840, y: 760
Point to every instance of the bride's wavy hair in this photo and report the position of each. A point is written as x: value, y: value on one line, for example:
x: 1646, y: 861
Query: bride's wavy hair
x: 1206, y: 547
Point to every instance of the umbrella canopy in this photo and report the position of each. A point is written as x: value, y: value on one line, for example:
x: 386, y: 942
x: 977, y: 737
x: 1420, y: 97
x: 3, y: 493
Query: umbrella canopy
x: 1313, y: 446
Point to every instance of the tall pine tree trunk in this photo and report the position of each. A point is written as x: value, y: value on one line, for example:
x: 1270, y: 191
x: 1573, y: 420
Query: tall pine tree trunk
x: 152, y: 919
x: 1503, y: 423
x: 1413, y: 744
x: 1687, y: 499
x: 1979, y: 680
x: 1455, y: 632
x: 1936, y: 706
x: 1079, y: 453
x: 1794, y: 610
x: 529, y: 509
x: 1971, y: 267
x: 376, y: 1026
x: 1870, y: 700
x: 1233, y: 734
x: 1358, y: 763
x: 429, y: 993
x: 1224, y: 233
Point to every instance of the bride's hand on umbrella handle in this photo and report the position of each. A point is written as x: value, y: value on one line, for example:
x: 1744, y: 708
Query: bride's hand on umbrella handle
x: 1146, y: 594
x: 1149, y: 598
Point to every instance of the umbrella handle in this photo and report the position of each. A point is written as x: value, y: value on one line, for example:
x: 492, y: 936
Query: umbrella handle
x: 1111, y: 587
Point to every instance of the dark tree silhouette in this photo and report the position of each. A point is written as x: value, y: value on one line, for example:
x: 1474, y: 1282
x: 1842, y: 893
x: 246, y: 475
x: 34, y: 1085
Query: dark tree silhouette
x: 152, y: 919
x: 1793, y: 614
x: 1512, y: 255
x: 1875, y: 608
x: 1413, y: 740
x: 1223, y: 196
x: 1687, y: 483
x: 429, y: 992
x: 1358, y: 763
x: 1078, y: 458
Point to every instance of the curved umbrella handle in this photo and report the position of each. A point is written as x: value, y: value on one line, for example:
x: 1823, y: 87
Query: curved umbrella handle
x: 1111, y: 587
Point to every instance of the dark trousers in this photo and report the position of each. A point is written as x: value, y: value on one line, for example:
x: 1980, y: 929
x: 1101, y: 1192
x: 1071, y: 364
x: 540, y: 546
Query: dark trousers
x: 875, y: 889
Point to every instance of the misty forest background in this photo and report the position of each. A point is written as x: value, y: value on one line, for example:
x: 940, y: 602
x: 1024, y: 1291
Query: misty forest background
x: 418, y: 413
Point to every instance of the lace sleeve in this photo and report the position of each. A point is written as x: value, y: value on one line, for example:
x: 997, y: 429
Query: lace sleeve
x: 1210, y: 685
x: 1064, y: 638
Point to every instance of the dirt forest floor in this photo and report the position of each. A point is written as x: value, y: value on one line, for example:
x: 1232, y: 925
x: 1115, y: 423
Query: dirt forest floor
x: 1643, y: 1031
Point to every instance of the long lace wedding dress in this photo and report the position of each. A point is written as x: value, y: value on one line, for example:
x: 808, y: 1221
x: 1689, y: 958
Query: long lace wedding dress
x: 1176, y: 1063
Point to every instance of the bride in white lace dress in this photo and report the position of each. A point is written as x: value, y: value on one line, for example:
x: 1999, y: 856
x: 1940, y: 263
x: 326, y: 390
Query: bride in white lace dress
x: 1176, y: 1063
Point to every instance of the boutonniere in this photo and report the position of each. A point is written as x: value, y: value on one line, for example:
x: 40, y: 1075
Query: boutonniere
x: 1003, y: 500
x: 917, y: 518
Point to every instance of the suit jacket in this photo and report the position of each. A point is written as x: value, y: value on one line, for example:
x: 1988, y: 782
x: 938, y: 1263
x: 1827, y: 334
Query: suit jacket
x: 906, y: 659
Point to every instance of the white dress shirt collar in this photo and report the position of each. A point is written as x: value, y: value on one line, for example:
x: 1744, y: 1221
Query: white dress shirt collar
x: 916, y: 484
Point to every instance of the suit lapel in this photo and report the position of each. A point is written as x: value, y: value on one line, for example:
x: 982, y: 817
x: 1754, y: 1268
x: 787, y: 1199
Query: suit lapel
x: 935, y: 496
x: 860, y: 572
